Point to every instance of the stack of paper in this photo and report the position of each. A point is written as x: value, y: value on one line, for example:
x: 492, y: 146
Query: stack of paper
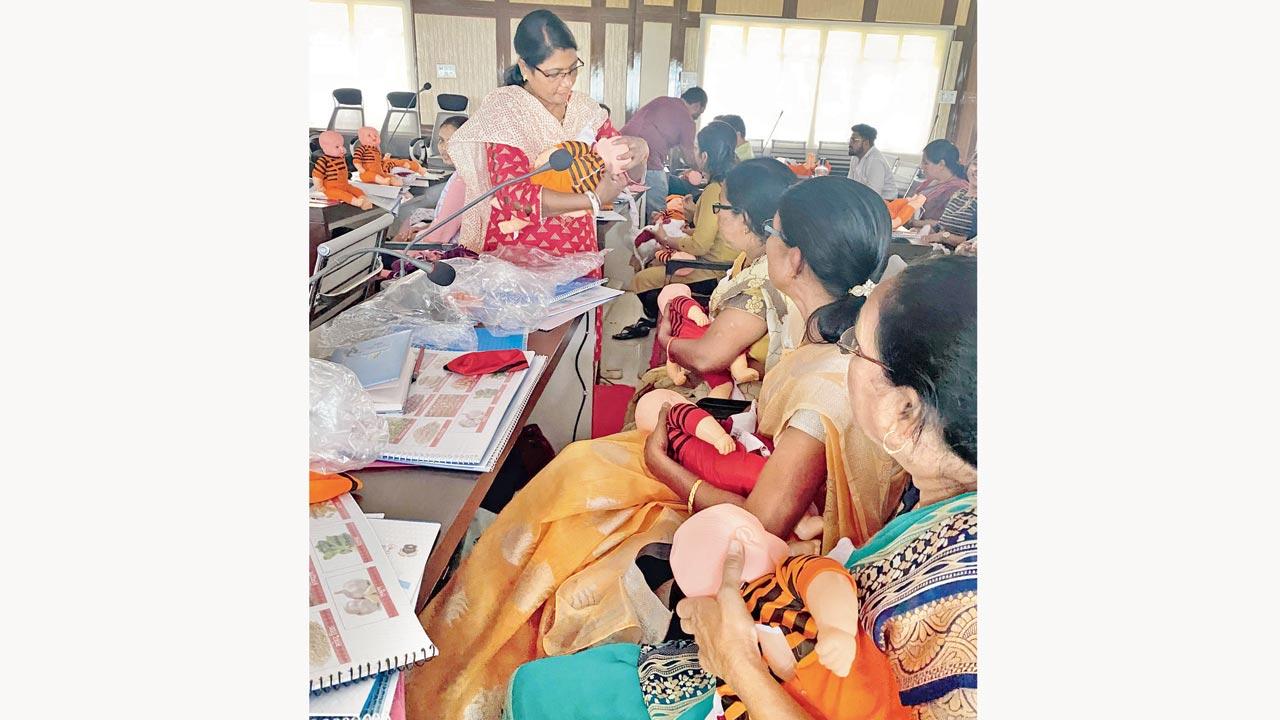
x: 361, y: 619
x: 384, y: 366
x: 572, y: 306
x: 456, y: 421
x: 407, y: 544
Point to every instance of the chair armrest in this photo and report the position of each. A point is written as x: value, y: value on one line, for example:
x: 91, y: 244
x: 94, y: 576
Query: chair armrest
x: 674, y: 265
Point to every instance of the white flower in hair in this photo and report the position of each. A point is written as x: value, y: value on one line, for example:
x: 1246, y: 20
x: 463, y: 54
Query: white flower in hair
x: 862, y: 290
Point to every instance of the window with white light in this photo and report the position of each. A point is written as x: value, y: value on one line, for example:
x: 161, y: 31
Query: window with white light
x: 816, y: 79
x: 359, y: 45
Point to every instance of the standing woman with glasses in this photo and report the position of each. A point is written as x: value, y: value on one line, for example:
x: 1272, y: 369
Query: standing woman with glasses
x: 535, y: 110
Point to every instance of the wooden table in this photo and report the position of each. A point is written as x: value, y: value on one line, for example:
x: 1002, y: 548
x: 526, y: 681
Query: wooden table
x: 451, y: 497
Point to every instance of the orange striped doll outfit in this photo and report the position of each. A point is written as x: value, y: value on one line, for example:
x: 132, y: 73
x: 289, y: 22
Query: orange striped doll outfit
x: 869, y: 692
x: 334, y: 178
x: 371, y: 165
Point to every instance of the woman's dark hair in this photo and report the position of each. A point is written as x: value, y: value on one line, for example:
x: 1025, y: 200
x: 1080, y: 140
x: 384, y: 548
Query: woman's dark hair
x: 539, y: 34
x: 928, y: 336
x: 735, y: 122
x: 841, y: 228
x: 755, y: 186
x: 943, y: 151
x: 719, y: 141
x: 453, y: 121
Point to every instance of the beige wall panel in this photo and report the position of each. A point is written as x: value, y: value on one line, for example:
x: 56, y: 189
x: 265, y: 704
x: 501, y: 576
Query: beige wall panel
x: 615, y: 71
x: 655, y: 61
x: 692, y: 50
x: 911, y: 11
x: 617, y: 3
x: 573, y: 3
x: 467, y: 43
x: 829, y: 9
x: 660, y: 3
x: 962, y: 12
x: 695, y: 5
x: 582, y: 34
x: 763, y: 8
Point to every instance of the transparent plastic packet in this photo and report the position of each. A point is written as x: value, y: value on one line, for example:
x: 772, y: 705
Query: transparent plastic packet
x: 346, y: 433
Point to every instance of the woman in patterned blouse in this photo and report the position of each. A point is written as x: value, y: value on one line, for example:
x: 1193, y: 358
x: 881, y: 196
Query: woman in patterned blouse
x: 959, y: 221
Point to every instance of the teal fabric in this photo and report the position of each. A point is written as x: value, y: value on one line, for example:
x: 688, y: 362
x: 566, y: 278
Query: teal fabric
x: 599, y: 683
x: 919, y: 517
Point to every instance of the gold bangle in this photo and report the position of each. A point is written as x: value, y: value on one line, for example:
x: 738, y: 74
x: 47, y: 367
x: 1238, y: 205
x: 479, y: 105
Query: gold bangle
x: 693, y: 491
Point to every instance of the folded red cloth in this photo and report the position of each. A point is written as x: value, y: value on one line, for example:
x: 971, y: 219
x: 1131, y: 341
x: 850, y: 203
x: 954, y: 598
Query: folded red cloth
x: 487, y: 361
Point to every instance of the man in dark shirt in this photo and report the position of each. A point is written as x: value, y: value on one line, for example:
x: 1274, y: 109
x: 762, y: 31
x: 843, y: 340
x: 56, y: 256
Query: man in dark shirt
x: 666, y: 123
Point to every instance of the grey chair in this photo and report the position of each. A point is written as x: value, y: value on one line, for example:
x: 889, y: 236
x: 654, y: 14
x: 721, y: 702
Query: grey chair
x: 451, y: 105
x: 352, y: 275
x: 836, y: 153
x: 401, y: 132
x: 348, y: 112
x: 790, y: 149
x: 757, y: 147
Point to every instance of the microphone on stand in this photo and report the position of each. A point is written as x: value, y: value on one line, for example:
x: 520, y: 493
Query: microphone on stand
x: 442, y: 273
x: 560, y: 160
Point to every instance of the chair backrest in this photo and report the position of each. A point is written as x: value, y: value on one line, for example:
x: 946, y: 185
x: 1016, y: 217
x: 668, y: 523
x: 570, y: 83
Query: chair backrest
x: 351, y: 273
x: 792, y: 149
x: 836, y: 153
x: 348, y: 111
x: 450, y: 102
x: 402, y: 125
x: 434, y: 151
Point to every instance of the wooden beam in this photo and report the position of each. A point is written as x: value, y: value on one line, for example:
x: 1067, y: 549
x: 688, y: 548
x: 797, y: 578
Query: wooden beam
x: 949, y: 9
x: 789, y: 8
x: 869, y: 10
x: 502, y: 16
x: 964, y: 115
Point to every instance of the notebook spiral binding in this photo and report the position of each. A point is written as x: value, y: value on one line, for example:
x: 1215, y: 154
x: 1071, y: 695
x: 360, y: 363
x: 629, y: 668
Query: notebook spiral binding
x: 360, y: 672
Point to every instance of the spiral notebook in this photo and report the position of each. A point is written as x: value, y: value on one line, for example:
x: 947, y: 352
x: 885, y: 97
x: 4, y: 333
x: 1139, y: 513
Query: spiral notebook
x: 361, y: 621
x: 456, y: 421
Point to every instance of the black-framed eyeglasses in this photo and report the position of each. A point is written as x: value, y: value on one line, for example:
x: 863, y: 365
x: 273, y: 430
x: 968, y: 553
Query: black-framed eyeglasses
x: 848, y: 345
x: 558, y: 74
x: 769, y: 228
x: 717, y: 207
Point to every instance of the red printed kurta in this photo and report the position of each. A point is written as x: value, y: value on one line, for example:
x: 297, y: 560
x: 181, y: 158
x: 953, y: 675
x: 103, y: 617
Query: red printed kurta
x: 559, y: 235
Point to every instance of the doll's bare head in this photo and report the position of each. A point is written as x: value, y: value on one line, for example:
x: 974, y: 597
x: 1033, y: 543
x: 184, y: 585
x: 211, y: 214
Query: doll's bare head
x: 700, y: 544
x: 671, y: 292
x: 332, y: 144
x: 611, y: 151
x: 650, y: 404
x: 368, y: 137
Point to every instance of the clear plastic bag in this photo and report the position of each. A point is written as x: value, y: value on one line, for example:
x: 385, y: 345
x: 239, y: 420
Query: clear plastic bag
x: 557, y: 268
x: 507, y: 299
x: 346, y: 433
x: 365, y: 322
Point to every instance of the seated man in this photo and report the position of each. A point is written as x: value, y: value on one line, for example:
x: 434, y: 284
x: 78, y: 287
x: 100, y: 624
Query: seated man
x: 868, y: 166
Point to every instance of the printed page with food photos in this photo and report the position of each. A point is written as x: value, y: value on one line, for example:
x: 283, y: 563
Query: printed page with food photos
x: 451, y: 418
x: 362, y: 622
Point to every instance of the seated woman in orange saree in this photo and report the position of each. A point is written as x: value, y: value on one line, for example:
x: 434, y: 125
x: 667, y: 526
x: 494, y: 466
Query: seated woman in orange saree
x: 556, y: 572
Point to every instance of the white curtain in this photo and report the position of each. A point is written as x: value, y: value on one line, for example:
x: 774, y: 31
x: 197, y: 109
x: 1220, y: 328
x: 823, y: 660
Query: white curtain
x: 824, y: 77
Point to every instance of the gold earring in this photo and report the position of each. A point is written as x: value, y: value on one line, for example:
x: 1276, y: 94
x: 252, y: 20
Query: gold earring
x: 884, y: 443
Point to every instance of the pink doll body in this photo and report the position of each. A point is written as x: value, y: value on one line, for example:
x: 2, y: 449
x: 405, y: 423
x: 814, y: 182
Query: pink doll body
x: 331, y: 175
x: 806, y: 610
x: 369, y: 161
x: 689, y: 321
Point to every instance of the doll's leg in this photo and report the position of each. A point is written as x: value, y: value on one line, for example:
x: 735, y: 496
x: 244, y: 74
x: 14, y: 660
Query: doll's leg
x: 721, y: 384
x: 368, y: 175
x: 741, y: 371
x: 736, y: 472
x: 342, y: 193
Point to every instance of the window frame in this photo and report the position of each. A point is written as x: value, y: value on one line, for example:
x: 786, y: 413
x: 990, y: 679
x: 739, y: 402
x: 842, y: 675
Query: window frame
x: 946, y: 40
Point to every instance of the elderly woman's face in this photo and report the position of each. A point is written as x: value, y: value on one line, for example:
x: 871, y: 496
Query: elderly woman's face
x: 867, y: 383
x: 733, y: 227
